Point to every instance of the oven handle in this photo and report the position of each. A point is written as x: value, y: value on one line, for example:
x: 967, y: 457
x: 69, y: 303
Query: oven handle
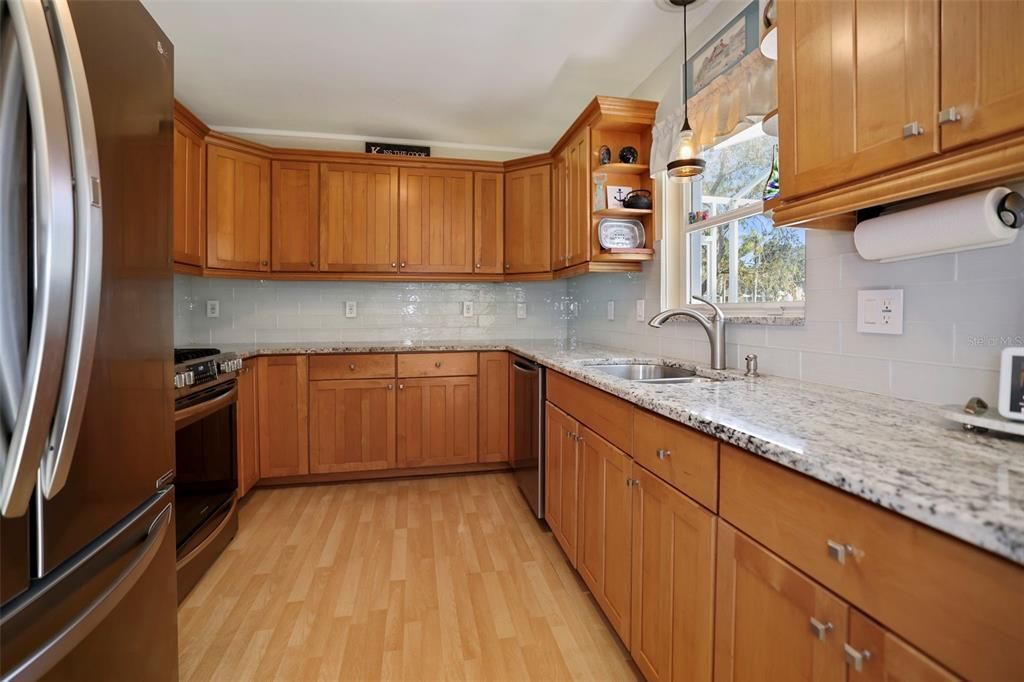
x: 194, y: 413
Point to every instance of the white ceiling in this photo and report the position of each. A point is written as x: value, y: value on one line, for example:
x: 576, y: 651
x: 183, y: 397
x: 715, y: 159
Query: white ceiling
x: 484, y: 73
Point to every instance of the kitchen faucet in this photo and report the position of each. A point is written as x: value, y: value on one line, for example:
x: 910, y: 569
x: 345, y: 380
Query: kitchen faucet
x: 714, y: 326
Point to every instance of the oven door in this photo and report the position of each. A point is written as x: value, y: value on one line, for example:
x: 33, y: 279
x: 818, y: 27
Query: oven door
x: 205, y: 478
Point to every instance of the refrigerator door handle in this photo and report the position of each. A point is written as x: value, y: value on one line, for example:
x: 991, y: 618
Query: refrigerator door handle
x: 53, y: 198
x: 42, y: 660
x: 88, y: 264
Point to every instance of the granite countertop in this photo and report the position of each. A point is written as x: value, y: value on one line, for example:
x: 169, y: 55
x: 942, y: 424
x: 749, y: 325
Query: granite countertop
x: 899, y: 454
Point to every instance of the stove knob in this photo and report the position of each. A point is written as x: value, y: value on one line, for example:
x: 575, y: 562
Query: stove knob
x: 190, y: 378
x: 179, y: 381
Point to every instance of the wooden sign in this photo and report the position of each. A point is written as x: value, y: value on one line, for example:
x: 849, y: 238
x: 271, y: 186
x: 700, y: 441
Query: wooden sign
x: 396, y: 149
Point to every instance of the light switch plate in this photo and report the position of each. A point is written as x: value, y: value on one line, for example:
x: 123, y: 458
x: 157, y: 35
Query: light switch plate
x: 880, y: 311
x: 640, y: 317
x: 351, y: 310
x: 520, y: 311
x: 467, y: 309
x: 213, y: 308
x: 611, y: 310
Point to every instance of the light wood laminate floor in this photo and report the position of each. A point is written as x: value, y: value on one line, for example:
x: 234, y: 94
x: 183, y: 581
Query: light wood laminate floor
x: 429, y: 579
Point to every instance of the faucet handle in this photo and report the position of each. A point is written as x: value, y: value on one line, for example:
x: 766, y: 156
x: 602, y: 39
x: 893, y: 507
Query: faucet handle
x: 718, y: 311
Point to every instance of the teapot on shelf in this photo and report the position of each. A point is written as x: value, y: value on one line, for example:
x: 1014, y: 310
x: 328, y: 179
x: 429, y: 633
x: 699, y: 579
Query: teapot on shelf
x: 638, y: 198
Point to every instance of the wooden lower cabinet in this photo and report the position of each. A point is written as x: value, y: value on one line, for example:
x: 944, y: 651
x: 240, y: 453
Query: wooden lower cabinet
x: 247, y: 434
x: 283, y: 415
x: 876, y: 655
x: 605, y: 528
x: 673, y: 579
x: 773, y: 622
x: 561, y: 476
x: 351, y: 425
x: 494, y: 406
x: 437, y: 421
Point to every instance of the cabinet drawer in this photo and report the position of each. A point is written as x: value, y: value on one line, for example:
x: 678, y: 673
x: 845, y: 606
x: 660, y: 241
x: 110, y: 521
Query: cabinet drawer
x: 960, y: 605
x: 685, y: 458
x: 437, y: 364
x: 368, y: 366
x: 604, y: 414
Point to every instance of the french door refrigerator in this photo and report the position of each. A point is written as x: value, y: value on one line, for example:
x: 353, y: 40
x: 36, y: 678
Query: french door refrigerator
x: 86, y: 364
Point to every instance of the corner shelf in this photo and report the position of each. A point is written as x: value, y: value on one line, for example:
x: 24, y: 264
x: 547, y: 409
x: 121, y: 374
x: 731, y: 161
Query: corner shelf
x: 624, y: 168
x: 622, y: 212
x: 624, y: 255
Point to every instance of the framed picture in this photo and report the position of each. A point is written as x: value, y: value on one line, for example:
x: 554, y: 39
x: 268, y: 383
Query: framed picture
x: 617, y: 194
x: 724, y: 51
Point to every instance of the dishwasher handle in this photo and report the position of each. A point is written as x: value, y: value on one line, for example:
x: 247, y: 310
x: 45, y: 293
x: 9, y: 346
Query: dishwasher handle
x: 525, y: 368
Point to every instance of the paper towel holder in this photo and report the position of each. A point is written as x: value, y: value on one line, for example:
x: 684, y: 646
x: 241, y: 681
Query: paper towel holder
x: 1011, y: 210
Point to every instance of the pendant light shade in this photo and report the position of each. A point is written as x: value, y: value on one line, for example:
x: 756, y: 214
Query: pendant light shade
x: 685, y: 164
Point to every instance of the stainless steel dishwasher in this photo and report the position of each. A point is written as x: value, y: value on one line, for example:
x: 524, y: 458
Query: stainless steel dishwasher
x: 527, y: 437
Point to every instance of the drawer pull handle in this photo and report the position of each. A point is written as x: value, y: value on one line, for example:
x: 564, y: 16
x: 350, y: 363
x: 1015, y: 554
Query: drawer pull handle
x: 438, y: 364
x: 663, y: 454
x: 912, y: 129
x: 352, y: 366
x: 855, y: 658
x: 819, y: 629
x: 838, y: 551
x: 950, y: 115
x: 630, y: 482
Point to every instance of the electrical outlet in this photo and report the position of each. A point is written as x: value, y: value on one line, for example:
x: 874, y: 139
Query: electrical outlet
x: 467, y: 309
x: 351, y: 309
x: 640, y: 317
x: 880, y: 311
x: 611, y: 311
x: 520, y: 311
x: 213, y: 308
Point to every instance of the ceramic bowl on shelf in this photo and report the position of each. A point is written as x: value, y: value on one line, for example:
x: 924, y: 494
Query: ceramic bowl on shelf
x: 618, y: 233
x: 604, y: 155
x: 628, y: 154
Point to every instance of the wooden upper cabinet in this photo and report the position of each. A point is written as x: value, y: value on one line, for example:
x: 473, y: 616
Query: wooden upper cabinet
x: 237, y: 210
x: 559, y: 211
x: 189, y: 166
x: 295, y: 216
x: 435, y: 221
x: 874, y: 654
x: 561, y: 477
x: 982, y: 69
x: 605, y: 527
x: 437, y: 421
x: 351, y: 425
x: 578, y: 216
x: 488, y: 222
x: 771, y: 618
x: 358, y: 218
x: 247, y: 431
x: 673, y: 580
x: 859, y: 89
x: 494, y: 406
x: 528, y: 220
x: 283, y: 415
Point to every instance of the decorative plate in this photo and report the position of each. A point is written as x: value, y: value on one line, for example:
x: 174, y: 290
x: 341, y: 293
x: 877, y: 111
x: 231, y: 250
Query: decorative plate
x: 616, y: 233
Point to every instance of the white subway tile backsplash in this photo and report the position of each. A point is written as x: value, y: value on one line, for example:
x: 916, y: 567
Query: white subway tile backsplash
x: 819, y: 336
x: 920, y: 342
x: 864, y: 374
x: 943, y: 384
x: 857, y: 272
x: 992, y: 263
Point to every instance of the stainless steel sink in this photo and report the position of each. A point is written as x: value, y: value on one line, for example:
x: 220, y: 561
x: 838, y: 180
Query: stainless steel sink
x: 650, y: 373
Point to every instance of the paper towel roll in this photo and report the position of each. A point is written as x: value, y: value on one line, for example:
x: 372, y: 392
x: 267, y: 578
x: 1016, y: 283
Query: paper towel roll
x: 960, y: 224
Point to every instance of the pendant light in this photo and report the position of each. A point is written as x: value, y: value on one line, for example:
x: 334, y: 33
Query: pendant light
x: 686, y: 165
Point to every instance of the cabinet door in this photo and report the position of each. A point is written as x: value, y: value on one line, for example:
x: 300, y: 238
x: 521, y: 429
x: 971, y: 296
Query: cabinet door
x: 437, y: 421
x: 283, y: 415
x: 528, y: 220
x: 351, y: 425
x: 855, y: 76
x: 358, y: 218
x: 673, y: 583
x: 435, y: 221
x: 982, y: 72
x: 188, y: 196
x: 561, y: 476
x: 874, y: 654
x: 488, y: 222
x: 295, y: 216
x: 578, y: 188
x: 247, y: 427
x: 772, y: 622
x: 605, y: 527
x: 237, y: 210
x: 559, y: 212
x: 494, y: 406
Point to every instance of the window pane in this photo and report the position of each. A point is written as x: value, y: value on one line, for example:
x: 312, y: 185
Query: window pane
x: 736, y: 172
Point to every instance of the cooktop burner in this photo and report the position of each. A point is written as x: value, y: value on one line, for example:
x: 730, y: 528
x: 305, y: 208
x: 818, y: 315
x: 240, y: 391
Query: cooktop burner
x: 187, y: 354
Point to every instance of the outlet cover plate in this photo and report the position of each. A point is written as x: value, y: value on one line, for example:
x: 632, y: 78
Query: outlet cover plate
x: 520, y: 311
x: 880, y: 311
x: 611, y: 311
x: 640, y: 316
x: 213, y: 308
x: 351, y: 309
x: 467, y: 309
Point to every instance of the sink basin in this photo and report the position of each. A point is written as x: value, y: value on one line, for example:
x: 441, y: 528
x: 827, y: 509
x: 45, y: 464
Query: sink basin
x: 652, y: 374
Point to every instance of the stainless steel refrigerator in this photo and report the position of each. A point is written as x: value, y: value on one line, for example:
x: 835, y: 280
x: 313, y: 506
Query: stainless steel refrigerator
x: 87, y: 585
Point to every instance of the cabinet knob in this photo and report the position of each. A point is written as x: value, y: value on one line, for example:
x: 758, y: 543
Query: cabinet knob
x: 837, y: 551
x: 950, y: 115
x: 264, y: 263
x: 912, y: 129
x: 438, y: 364
x: 855, y: 657
x: 391, y: 387
x: 312, y: 263
x: 630, y: 482
x: 819, y: 629
x: 394, y: 264
x: 401, y: 264
x: 663, y: 454
x: 352, y: 366
x: 478, y: 266
x: 508, y: 265
x: 401, y: 387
